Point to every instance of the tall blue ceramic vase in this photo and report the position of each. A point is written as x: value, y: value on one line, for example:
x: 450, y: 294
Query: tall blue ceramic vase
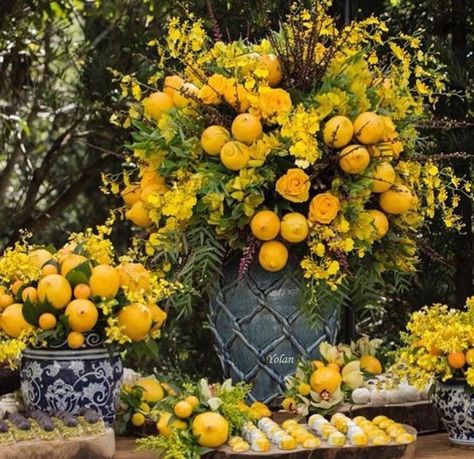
x: 259, y: 330
x: 67, y: 380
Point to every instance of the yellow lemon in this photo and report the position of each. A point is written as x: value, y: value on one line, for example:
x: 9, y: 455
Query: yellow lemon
x: 48, y: 269
x: 134, y: 276
x: 158, y: 316
x: 104, y: 281
x: 82, y: 291
x: 71, y: 262
x: 55, y: 289
x: 214, y: 138
x: 135, y: 320
x: 131, y: 194
x: 5, y: 300
x: 288, y: 403
x: 183, y: 409
x: 265, y: 225
x: 272, y: 64
x: 16, y: 286
x: 75, y: 340
x: 172, y: 84
x: 273, y: 256
x: 138, y: 419
x: 192, y: 400
x: 369, y: 128
x: 383, y: 177
x: 157, y: 103
x: 29, y: 293
x: 82, y: 315
x: 12, y: 320
x: 294, y: 227
x: 371, y: 364
x: 165, y: 427
x: 247, y: 128
x: 338, y: 132
x: 47, y: 321
x: 211, y: 429
x: 470, y: 357
x: 235, y: 155
x: 397, y: 200
x: 138, y: 214
x: 152, y: 390
x: 39, y: 257
x: 188, y: 94
x: 325, y: 380
x: 304, y: 389
x: 380, y: 221
x: 354, y: 159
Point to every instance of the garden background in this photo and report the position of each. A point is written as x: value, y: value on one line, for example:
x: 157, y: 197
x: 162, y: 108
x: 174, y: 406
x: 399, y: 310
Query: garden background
x: 57, y: 95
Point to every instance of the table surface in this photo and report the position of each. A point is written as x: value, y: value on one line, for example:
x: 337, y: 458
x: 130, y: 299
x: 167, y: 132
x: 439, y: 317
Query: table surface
x: 427, y: 447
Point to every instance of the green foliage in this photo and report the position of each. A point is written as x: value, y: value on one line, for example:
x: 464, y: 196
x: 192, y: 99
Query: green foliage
x: 230, y: 408
x: 179, y: 445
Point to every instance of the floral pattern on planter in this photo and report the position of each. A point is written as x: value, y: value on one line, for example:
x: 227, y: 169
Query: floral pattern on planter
x: 455, y: 407
x: 69, y: 380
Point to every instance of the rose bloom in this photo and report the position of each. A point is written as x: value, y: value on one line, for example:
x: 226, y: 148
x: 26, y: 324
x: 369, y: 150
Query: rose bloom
x: 323, y: 208
x: 211, y: 92
x: 294, y: 185
x: 274, y: 102
x: 237, y: 96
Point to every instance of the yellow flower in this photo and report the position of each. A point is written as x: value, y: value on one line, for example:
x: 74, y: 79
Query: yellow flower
x: 237, y: 96
x: 324, y: 208
x: 209, y: 95
x: 294, y: 186
x: 274, y: 102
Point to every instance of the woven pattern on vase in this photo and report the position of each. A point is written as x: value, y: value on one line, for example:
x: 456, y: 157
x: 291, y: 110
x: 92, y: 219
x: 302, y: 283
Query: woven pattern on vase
x: 259, y: 331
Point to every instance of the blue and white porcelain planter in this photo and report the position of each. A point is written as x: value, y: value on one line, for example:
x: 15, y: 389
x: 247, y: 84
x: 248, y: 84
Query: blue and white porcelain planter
x: 68, y: 380
x: 455, y: 406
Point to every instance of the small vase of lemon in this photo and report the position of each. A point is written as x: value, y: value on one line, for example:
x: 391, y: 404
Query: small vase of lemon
x: 68, y: 313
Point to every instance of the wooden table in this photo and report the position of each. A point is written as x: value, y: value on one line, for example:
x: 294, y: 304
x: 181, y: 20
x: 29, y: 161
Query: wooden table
x: 427, y: 447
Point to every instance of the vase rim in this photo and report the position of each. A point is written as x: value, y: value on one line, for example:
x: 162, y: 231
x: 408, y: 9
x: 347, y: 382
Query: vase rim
x: 69, y: 354
x: 457, y: 381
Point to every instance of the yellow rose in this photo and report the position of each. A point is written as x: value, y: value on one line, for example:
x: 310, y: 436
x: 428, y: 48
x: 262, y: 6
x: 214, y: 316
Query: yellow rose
x: 294, y: 186
x: 237, y: 96
x: 209, y: 96
x: 274, y: 102
x: 324, y: 208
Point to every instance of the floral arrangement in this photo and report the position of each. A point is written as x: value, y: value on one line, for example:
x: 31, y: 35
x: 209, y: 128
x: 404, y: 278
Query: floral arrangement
x: 49, y: 296
x: 307, y: 138
x: 320, y: 386
x: 189, y: 419
x: 439, y: 344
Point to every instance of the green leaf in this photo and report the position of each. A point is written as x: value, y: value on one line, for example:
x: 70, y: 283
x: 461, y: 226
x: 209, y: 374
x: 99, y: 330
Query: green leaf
x: 31, y: 313
x: 80, y: 274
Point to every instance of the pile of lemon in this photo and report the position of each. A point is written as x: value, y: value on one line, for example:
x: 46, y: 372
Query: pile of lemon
x: 77, y: 301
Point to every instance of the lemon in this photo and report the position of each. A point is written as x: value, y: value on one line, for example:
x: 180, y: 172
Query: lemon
x: 188, y: 94
x: 265, y: 225
x: 71, y: 262
x: 138, y: 214
x: 294, y: 227
x: 369, y: 128
x: 235, y: 155
x: 131, y: 194
x: 47, y: 321
x: 82, y: 291
x: 172, y: 84
x: 5, y: 300
x: 325, y: 379
x: 138, y: 419
x: 383, y: 177
x: 304, y: 389
x: 12, y: 321
x: 55, y: 289
x: 272, y: 64
x: 152, y: 390
x: 338, y: 132
x: 157, y: 103
x: 397, y: 200
x: 135, y: 320
x: 82, y: 315
x: 30, y: 294
x: 273, y: 256
x: 371, y: 364
x: 288, y: 403
x: 104, y: 281
x: 158, y: 316
x: 211, y: 429
x: 75, y: 340
x: 214, y: 138
x: 40, y: 257
x: 192, y: 400
x: 16, y: 286
x: 246, y: 128
x: 470, y: 357
x: 48, y: 269
x: 183, y: 409
x: 165, y: 427
x: 380, y: 221
x: 354, y: 159
x: 134, y: 276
